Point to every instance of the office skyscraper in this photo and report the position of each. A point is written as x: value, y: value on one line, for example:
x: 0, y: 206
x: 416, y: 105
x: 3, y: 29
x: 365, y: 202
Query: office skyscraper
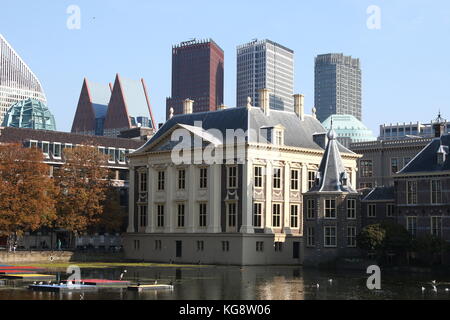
x: 17, y: 81
x: 265, y: 64
x: 197, y: 74
x: 337, y: 86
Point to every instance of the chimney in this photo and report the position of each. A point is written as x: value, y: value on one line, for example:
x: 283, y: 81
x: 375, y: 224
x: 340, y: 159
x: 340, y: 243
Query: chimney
x: 299, y: 106
x: 264, y: 101
x: 188, y: 106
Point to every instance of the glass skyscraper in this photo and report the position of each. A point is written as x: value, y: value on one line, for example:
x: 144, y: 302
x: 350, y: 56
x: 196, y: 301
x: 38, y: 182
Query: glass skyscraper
x: 337, y: 86
x: 265, y: 64
x: 17, y: 81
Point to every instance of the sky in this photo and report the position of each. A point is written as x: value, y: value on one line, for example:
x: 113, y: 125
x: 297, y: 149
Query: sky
x: 405, y: 62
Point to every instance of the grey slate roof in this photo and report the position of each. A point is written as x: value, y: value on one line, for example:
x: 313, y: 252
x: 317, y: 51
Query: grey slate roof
x: 296, y: 134
x: 427, y: 160
x: 331, y: 173
x: 380, y: 194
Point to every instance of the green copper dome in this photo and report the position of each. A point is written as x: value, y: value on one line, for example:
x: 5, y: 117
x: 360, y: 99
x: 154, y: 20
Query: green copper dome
x: 348, y: 127
x: 31, y: 114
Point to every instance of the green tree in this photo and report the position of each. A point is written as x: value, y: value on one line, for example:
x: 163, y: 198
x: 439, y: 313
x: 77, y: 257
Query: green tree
x: 371, y: 238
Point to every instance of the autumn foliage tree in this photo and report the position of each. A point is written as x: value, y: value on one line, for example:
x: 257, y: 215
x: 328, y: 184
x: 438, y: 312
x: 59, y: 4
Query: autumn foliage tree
x: 83, y: 182
x: 27, y: 192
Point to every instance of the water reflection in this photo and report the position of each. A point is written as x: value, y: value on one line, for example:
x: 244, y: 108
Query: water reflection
x: 246, y: 283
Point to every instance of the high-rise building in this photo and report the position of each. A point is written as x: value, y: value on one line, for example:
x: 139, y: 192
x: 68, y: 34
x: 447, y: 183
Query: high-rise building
x: 197, y: 74
x: 337, y: 86
x: 265, y: 64
x: 17, y: 81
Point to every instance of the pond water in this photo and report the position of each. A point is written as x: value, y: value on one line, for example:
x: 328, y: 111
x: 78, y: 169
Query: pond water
x: 235, y: 283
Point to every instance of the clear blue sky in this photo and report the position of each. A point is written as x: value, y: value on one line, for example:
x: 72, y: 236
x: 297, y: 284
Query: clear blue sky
x: 405, y: 64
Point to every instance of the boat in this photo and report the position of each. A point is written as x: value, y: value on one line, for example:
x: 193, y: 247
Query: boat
x: 145, y: 287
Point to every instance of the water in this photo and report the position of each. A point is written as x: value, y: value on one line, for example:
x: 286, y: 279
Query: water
x: 225, y: 282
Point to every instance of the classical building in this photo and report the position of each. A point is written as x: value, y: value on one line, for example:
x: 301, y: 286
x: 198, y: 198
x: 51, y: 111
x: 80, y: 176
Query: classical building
x: 17, y: 81
x: 197, y: 74
x: 239, y: 200
x: 348, y: 129
x: 52, y: 144
x: 265, y: 64
x: 378, y: 205
x: 331, y: 211
x: 106, y: 110
x: 337, y: 86
x: 31, y: 114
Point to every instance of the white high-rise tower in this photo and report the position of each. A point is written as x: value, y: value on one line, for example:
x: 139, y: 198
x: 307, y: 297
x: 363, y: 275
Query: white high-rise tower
x: 17, y: 81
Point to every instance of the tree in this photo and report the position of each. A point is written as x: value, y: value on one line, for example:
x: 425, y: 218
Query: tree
x: 430, y: 248
x: 114, y: 217
x: 27, y: 191
x: 371, y: 238
x: 83, y: 181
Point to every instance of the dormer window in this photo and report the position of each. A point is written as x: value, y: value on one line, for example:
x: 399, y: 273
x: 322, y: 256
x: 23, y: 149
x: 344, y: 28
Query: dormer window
x: 278, y: 137
x: 344, y: 178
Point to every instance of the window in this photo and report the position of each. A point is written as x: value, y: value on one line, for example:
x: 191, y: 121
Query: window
x: 33, y: 144
x: 137, y: 244
x: 143, y: 216
x: 436, y: 191
x: 278, y: 246
x: 160, y: 215
x: 257, y: 215
x: 311, y: 179
x: 394, y: 165
x: 310, y: 237
x: 294, y: 215
x: 371, y: 210
x: 232, y: 177
x: 365, y: 185
x: 232, y: 214
x: 389, y: 210
x: 329, y: 234
x: 277, y: 178
x: 330, y: 208
x: 161, y: 180
x: 436, y: 226
x: 202, y: 215
x: 181, y: 179
x: 112, y: 155
x: 121, y: 155
x: 351, y: 209
x: 278, y: 137
x: 181, y: 211
x: 351, y: 237
x: 411, y: 225
x: 295, y: 179
x: 411, y: 192
x: 310, y: 209
x: 57, y: 150
x: 158, y: 245
x: 200, y: 245
x: 45, y: 148
x: 276, y: 215
x: 366, y: 168
x: 142, y: 182
x: 203, y: 178
x: 225, y: 246
x: 258, y: 177
x: 259, y: 246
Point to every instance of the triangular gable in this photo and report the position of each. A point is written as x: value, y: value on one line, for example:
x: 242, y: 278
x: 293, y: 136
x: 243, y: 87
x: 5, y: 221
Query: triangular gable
x: 84, y: 119
x: 164, y: 141
x: 117, y: 115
